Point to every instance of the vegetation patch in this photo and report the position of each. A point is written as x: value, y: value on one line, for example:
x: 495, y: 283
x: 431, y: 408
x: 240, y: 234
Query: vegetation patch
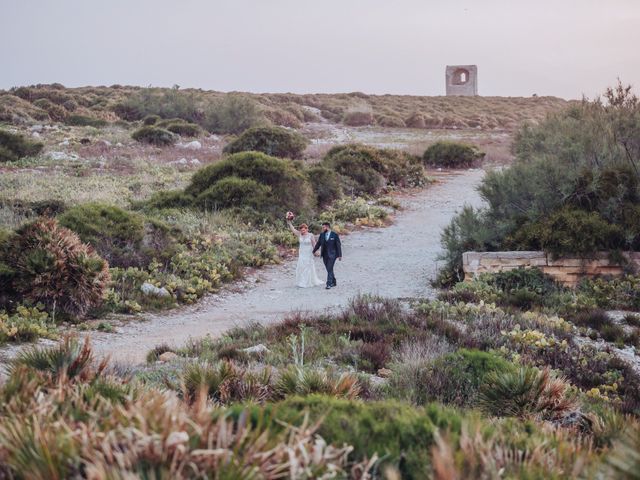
x: 452, y: 155
x: 274, y: 141
x: 13, y: 147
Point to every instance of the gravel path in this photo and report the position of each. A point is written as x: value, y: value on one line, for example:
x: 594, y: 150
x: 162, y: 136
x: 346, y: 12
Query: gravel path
x: 395, y: 262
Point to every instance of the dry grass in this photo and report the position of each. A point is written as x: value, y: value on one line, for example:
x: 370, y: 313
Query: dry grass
x: 487, y: 113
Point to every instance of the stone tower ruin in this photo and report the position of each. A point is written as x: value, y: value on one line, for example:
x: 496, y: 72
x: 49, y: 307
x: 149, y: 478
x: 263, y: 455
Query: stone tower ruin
x: 462, y: 80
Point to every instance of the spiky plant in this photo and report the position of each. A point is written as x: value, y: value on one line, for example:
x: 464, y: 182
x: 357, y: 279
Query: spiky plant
x: 52, y: 266
x: 624, y: 460
x: 68, y: 359
x: 299, y: 381
x: 526, y: 392
x: 206, y: 378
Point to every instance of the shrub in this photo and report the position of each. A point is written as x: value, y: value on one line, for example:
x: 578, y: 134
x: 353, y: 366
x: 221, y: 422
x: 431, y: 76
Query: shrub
x: 452, y: 155
x: 358, y: 118
x: 368, y: 169
x: 526, y: 392
x: 56, y: 112
x: 234, y: 192
x: 326, y: 185
x: 415, y: 120
x: 170, y: 199
x: 85, y: 121
x: 154, y: 136
x: 116, y: 234
x: 454, y: 378
x: 233, y: 113
x: 150, y: 120
x: 274, y: 141
x: 570, y: 232
x: 179, y: 127
x: 166, y: 103
x: 25, y: 325
x: 14, y: 147
x: 51, y: 265
x: 401, y: 435
x: 390, y: 121
x: 68, y: 359
x: 288, y: 185
x: 467, y: 231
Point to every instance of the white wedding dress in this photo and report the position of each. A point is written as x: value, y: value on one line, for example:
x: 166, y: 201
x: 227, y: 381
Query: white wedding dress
x: 306, y: 269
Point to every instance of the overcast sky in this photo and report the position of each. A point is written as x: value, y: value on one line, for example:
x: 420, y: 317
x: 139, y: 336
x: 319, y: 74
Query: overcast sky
x: 549, y: 47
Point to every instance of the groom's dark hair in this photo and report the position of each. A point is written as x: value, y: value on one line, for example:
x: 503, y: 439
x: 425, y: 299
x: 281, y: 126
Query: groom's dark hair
x: 326, y: 223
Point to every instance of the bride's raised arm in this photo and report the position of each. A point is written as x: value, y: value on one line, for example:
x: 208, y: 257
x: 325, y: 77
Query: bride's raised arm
x: 292, y: 228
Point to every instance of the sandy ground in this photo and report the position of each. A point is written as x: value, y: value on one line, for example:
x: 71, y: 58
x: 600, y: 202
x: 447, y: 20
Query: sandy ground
x: 396, y: 262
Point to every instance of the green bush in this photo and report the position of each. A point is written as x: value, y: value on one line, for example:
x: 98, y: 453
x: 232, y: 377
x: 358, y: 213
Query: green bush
x: 13, y: 147
x: 569, y: 232
x: 51, y: 265
x: 179, y: 127
x: 116, y: 234
x: 453, y: 379
x: 274, y: 141
x: 85, y: 121
x: 150, y: 120
x: 368, y: 169
x: 154, y: 136
x: 165, y: 103
x: 401, y: 435
x: 170, y: 199
x: 234, y: 192
x: 452, y: 155
x: 233, y: 113
x: 326, y: 185
x: 289, y: 187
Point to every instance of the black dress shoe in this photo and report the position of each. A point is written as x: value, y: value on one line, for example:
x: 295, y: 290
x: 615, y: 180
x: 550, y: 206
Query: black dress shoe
x: 327, y: 287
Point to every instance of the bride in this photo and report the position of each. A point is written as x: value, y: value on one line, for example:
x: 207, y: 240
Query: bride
x: 305, y: 270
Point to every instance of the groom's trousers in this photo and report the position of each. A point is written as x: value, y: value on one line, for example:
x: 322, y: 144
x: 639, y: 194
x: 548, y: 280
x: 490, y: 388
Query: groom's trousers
x: 329, y: 262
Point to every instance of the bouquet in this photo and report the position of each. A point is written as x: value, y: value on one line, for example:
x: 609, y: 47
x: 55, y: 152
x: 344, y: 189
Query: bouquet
x: 290, y: 216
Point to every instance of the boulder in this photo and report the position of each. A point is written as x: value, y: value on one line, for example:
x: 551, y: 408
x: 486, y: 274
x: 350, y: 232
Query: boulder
x: 150, y: 289
x: 194, y: 145
x: 384, y: 373
x: 259, y: 349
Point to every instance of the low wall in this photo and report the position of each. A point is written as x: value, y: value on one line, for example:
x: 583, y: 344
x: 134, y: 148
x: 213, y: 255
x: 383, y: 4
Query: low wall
x: 568, y: 271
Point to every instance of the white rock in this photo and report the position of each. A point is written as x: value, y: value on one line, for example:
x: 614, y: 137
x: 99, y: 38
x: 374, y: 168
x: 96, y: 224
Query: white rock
x: 36, y: 128
x: 35, y: 135
x: 63, y: 156
x: 105, y: 143
x: 64, y: 143
x: 150, y: 289
x: 195, y: 161
x: 259, y: 349
x: 119, y: 144
x: 194, y: 145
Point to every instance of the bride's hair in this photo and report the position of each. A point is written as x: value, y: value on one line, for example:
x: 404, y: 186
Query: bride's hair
x: 303, y: 225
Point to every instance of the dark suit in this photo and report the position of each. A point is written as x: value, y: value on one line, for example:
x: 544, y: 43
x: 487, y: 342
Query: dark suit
x: 330, y: 250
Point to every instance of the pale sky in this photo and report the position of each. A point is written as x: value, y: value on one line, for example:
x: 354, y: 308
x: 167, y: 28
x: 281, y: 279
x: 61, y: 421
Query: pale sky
x: 549, y: 47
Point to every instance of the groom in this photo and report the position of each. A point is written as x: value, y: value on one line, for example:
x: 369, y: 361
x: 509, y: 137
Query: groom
x: 330, y: 248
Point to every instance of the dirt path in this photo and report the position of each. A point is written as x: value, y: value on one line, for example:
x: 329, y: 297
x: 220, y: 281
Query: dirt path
x: 394, y: 262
